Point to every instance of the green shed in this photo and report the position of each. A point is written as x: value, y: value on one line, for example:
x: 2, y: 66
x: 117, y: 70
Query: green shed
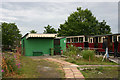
x: 37, y: 44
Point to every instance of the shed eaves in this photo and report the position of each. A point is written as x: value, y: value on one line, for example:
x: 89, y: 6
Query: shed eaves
x: 41, y: 35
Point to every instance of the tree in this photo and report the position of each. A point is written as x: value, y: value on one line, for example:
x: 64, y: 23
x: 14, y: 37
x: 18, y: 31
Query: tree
x: 49, y: 29
x: 103, y: 28
x: 83, y: 22
x: 33, y: 31
x: 10, y: 35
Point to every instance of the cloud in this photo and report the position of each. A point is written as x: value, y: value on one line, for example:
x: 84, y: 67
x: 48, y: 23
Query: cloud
x: 119, y: 17
x: 8, y: 18
x: 60, y: 1
x: 3, y: 21
x: 36, y: 15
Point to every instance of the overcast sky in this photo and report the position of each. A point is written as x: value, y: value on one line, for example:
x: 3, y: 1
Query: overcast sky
x: 35, y: 15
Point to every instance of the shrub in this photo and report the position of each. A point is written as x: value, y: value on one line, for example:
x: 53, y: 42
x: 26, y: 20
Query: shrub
x: 88, y: 54
x: 72, y: 51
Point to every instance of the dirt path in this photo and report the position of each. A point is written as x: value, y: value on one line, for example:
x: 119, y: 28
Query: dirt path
x: 48, y: 69
x: 69, y: 69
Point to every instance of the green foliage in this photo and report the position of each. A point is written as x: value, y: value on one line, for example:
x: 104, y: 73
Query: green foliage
x: 83, y: 22
x: 49, y: 29
x: 10, y: 64
x: 33, y: 31
x: 10, y: 35
x: 72, y: 51
x: 88, y: 54
x: 104, y: 28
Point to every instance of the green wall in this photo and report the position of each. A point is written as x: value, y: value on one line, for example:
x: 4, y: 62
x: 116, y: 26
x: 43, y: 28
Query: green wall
x: 37, y: 44
x: 22, y: 44
x: 63, y: 44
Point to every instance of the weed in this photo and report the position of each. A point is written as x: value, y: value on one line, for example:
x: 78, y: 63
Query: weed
x: 10, y: 64
x: 88, y: 55
x: 72, y: 51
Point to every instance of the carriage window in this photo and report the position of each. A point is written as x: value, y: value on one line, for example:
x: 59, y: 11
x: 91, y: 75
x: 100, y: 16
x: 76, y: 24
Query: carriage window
x: 80, y: 39
x: 119, y: 38
x: 90, y: 40
x: 75, y: 39
x: 99, y: 39
x: 115, y: 38
x: 68, y: 40
x: 86, y: 38
x: 103, y: 39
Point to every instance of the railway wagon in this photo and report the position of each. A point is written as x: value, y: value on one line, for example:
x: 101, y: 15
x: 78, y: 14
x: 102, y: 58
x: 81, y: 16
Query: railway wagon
x: 94, y: 42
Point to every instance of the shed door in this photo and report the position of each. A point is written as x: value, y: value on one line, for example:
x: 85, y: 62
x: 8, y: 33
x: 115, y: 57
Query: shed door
x: 57, y: 47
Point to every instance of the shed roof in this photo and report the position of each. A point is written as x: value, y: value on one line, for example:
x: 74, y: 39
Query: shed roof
x: 30, y: 35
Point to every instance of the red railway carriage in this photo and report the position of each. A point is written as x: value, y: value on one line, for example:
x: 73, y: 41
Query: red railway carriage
x: 98, y: 40
x: 77, y: 41
x: 94, y: 42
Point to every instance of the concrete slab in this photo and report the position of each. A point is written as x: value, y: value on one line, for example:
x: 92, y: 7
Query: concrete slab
x: 116, y: 60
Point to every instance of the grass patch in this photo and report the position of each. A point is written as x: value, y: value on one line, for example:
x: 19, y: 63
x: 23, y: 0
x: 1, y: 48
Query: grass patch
x: 97, y: 61
x: 100, y: 72
x: 38, y: 69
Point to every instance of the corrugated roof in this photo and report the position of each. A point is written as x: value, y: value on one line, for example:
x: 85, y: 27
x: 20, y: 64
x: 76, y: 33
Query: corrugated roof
x: 41, y: 35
